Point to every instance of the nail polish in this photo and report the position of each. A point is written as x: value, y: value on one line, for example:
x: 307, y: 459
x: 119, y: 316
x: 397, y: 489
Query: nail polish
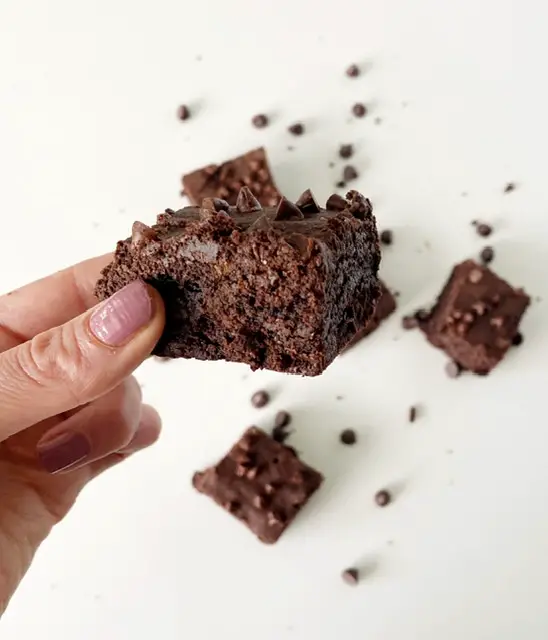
x: 63, y: 451
x: 117, y: 319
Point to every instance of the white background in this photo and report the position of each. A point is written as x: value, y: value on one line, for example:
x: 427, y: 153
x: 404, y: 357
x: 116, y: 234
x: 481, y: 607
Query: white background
x: 89, y: 142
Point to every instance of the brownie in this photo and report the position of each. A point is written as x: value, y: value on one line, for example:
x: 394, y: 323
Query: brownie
x: 225, y: 180
x: 476, y: 317
x: 385, y: 307
x: 282, y: 288
x: 261, y: 482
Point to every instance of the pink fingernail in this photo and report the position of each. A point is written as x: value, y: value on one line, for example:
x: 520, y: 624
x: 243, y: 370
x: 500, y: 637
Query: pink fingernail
x: 63, y: 451
x: 122, y: 315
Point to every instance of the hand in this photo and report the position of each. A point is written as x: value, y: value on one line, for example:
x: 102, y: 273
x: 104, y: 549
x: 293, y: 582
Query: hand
x: 69, y: 409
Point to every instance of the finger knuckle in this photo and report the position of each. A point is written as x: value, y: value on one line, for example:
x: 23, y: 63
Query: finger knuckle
x: 56, y: 359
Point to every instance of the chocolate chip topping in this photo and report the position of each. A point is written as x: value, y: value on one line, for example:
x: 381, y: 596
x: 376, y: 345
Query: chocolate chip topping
x: 346, y: 151
x: 351, y: 576
x: 348, y: 436
x: 341, y: 184
x: 386, y: 237
x: 349, y: 173
x: 260, y: 399
x: 307, y: 203
x: 335, y: 202
x: 487, y: 254
x: 483, y: 229
x: 359, y: 110
x: 353, y: 71
x: 296, y: 129
x: 183, y: 112
x: 286, y: 210
x: 517, y: 339
x: 383, y: 498
x: 260, y: 121
x: 141, y: 234
x: 247, y: 202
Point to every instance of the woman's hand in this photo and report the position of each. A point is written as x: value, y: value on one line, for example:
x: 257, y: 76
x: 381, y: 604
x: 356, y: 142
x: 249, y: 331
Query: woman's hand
x: 69, y: 409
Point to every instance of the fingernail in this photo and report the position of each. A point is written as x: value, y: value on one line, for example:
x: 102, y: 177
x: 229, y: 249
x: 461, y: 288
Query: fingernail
x: 122, y: 315
x: 63, y: 451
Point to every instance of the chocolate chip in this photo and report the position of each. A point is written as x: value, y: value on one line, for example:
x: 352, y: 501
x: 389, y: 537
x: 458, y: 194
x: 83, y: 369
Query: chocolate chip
x: 335, y: 202
x: 359, y: 110
x: 340, y: 184
x: 409, y: 322
x: 260, y: 399
x: 286, y: 210
x: 349, y: 173
x: 484, y: 229
x: 183, y: 112
x: 383, y: 498
x: 387, y: 237
x: 260, y: 121
x: 487, y: 254
x: 169, y: 211
x: 142, y: 234
x: 346, y: 151
x: 280, y: 434
x: 348, y: 436
x: 296, y: 129
x: 510, y: 187
x: 282, y: 419
x: 517, y: 339
x: 351, y: 576
x: 307, y: 203
x: 412, y: 414
x: 247, y: 202
x: 353, y: 71
x: 453, y: 369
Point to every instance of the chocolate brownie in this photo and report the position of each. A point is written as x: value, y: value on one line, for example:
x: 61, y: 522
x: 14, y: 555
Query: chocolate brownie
x: 385, y: 307
x: 261, y: 482
x: 282, y: 288
x: 225, y: 180
x: 475, y: 318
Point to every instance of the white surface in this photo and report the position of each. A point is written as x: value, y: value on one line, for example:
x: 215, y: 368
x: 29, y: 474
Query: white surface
x: 89, y: 142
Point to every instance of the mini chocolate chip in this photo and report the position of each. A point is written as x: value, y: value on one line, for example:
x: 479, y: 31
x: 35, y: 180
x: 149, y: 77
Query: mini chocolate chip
x: 247, y: 202
x: 383, y: 498
x: 353, y: 71
x: 387, y: 237
x: 260, y: 399
x: 183, y: 112
x: 296, y: 129
x: 346, y: 151
x: 517, y: 339
x: 351, y: 576
x: 359, y: 110
x: 335, y: 202
x: 280, y: 434
x: 409, y: 322
x: 484, y: 229
x: 453, y: 369
x: 340, y: 184
x: 260, y: 121
x: 412, y: 414
x: 142, y: 234
x: 307, y: 203
x: 169, y: 211
x: 348, y: 436
x: 510, y: 187
x: 349, y: 173
x: 487, y: 254
x: 286, y: 210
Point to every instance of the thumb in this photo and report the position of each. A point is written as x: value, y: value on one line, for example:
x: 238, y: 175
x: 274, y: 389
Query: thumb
x: 73, y: 364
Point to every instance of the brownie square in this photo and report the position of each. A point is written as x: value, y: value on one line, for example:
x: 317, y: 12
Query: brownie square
x: 283, y: 288
x: 225, y: 180
x: 261, y: 482
x: 475, y: 317
x: 385, y: 308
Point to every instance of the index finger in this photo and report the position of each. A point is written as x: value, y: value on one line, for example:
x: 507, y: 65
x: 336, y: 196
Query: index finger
x: 49, y: 302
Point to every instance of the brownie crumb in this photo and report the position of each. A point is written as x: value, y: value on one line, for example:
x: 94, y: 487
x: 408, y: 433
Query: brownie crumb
x: 517, y: 339
x: 359, y: 110
x: 296, y: 129
x: 340, y: 184
x: 348, y: 436
x: 260, y: 121
x: 260, y: 399
x: 453, y: 369
x: 282, y: 419
x: 412, y: 414
x: 349, y: 173
x: 383, y: 498
x: 511, y: 186
x: 351, y: 576
x: 346, y: 151
x: 183, y: 112
x: 353, y: 71
x: 487, y: 254
x: 387, y: 237
x: 483, y: 229
x: 409, y: 322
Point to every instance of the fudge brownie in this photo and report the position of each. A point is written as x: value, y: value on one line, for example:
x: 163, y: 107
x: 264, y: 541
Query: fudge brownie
x: 385, y: 307
x: 225, y: 180
x: 261, y: 482
x: 282, y: 288
x: 475, y: 318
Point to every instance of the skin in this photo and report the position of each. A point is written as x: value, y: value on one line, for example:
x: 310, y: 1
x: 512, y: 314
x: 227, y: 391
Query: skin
x: 53, y: 380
